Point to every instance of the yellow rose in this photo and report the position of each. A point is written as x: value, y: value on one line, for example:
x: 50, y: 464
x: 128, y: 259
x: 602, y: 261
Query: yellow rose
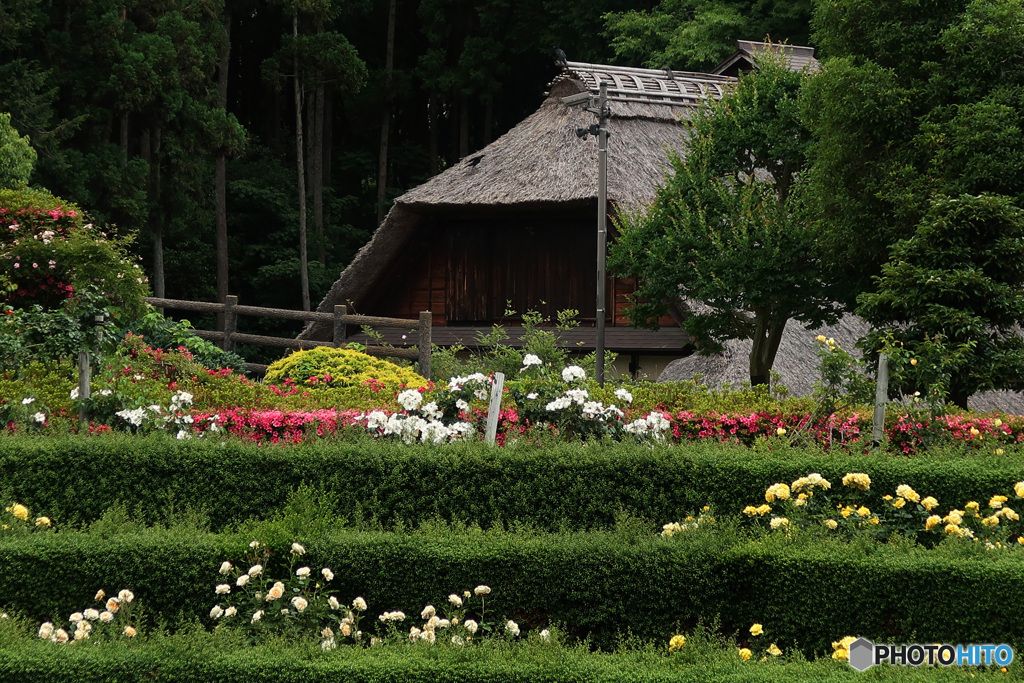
x: 781, y: 431
x: 999, y: 451
x: 676, y: 643
x: 997, y: 501
x: 973, y: 505
x: 820, y: 338
x: 756, y: 630
x: 990, y: 521
x: 831, y: 523
x: 1010, y: 514
x: 777, y: 492
x: 43, y: 521
x: 910, y: 494
x: 932, y: 522
x: 857, y: 480
x: 774, y: 650
x: 745, y: 654
x: 929, y: 503
x: 19, y: 511
x: 750, y: 511
x: 913, y: 361
x: 997, y: 422
x: 863, y: 511
x: 898, y: 503
x: 764, y: 509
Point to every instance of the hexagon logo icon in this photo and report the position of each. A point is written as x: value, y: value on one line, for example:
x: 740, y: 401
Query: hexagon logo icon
x: 862, y: 654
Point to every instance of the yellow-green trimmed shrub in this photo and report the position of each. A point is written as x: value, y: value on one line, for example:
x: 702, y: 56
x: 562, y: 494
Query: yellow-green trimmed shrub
x: 328, y: 368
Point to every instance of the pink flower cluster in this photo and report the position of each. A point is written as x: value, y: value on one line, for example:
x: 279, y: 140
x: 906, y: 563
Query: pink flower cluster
x: 745, y: 428
x: 277, y: 426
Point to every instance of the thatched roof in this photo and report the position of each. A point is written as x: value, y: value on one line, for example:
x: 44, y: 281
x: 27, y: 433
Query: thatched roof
x: 542, y: 162
x: 796, y: 57
x: 797, y: 362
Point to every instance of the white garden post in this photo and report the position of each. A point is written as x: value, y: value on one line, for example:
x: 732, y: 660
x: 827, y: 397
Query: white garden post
x: 881, y: 398
x: 494, y: 408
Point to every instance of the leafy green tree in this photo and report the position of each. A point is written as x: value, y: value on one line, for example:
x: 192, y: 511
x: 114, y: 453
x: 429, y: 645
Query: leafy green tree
x: 958, y: 280
x: 916, y: 100
x: 17, y: 158
x: 698, y: 34
x: 726, y: 231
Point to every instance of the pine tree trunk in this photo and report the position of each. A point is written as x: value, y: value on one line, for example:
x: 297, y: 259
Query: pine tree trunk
x: 432, y: 144
x: 463, y: 126
x: 385, y: 117
x: 221, y: 175
x: 303, y: 260
x: 317, y: 174
x: 159, y: 290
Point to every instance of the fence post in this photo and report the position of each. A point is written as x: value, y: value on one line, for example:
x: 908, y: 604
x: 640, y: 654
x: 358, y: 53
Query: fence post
x: 85, y: 375
x: 494, y: 408
x: 881, y: 398
x: 340, y: 332
x: 424, y: 345
x: 84, y: 378
x: 230, y: 322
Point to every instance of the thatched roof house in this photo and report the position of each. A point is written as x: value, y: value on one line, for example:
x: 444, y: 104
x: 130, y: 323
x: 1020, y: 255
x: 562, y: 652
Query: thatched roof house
x: 516, y: 221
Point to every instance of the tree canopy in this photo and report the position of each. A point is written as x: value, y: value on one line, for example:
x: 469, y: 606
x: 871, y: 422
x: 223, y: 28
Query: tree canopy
x: 726, y: 232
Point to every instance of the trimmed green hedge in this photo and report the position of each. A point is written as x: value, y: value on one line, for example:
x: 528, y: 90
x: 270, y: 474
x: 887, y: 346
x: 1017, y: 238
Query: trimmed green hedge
x: 198, y: 658
x: 561, y: 486
x: 807, y: 591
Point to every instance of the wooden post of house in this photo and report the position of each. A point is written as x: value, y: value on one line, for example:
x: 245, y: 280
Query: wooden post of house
x: 424, y: 345
x: 881, y: 398
x: 230, y: 322
x: 339, y: 326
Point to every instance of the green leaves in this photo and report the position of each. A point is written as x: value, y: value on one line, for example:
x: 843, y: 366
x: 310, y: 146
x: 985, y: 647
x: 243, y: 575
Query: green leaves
x: 727, y: 231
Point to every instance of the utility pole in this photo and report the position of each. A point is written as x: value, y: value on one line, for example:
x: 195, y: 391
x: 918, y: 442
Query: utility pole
x: 602, y: 222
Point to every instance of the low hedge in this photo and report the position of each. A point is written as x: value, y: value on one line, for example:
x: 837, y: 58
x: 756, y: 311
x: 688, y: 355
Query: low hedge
x: 561, y: 486
x: 199, y: 658
x: 806, y: 590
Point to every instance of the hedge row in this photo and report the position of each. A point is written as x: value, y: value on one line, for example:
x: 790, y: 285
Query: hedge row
x: 561, y: 486
x: 195, y: 659
x: 806, y: 591
x: 192, y: 660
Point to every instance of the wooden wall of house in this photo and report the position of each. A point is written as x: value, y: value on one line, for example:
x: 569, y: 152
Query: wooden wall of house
x: 467, y: 269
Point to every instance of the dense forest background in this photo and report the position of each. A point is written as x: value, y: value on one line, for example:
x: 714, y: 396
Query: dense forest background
x: 176, y: 120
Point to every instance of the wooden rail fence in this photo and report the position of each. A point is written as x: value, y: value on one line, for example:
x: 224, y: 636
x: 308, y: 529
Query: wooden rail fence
x: 230, y: 310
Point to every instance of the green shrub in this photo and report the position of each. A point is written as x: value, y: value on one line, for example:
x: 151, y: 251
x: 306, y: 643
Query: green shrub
x: 160, y: 332
x: 50, y: 254
x: 329, y: 367
x: 200, y: 656
x: 558, y: 486
x: 805, y: 590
